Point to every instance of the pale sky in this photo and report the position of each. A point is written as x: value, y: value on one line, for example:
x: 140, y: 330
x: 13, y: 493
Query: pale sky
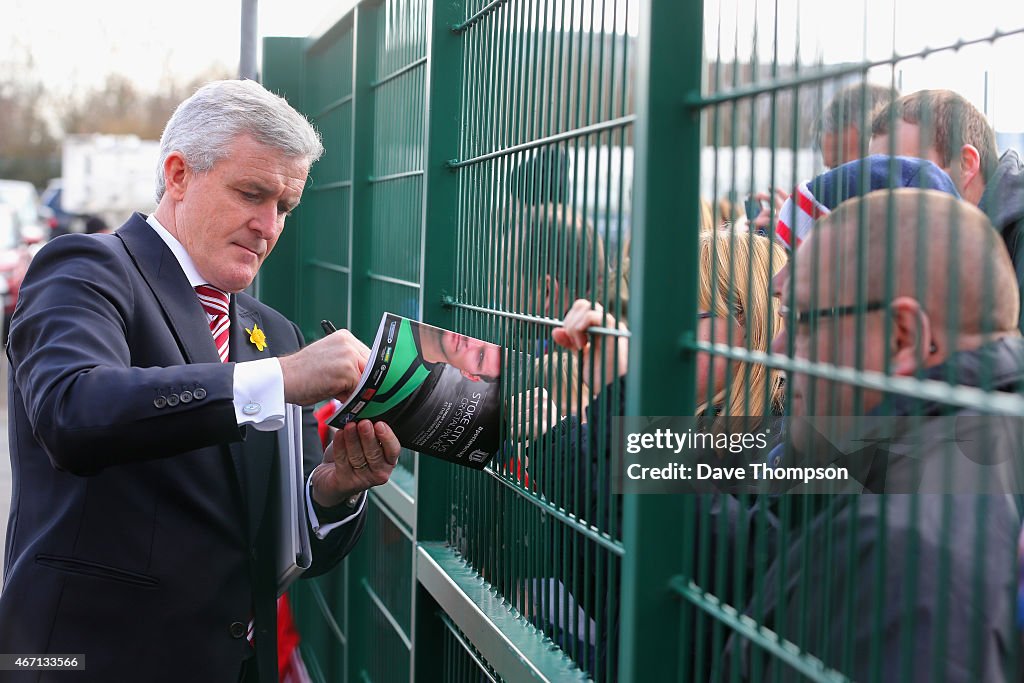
x: 80, y: 42
x: 834, y: 31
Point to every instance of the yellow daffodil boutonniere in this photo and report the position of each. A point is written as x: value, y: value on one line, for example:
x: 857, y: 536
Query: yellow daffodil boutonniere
x: 257, y: 337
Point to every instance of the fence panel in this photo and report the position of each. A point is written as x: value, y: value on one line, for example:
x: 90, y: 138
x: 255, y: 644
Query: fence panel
x: 541, y: 217
x: 837, y: 586
x: 492, y: 161
x: 325, y: 240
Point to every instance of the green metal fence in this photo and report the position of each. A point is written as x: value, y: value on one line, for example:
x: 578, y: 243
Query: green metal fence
x: 490, y: 162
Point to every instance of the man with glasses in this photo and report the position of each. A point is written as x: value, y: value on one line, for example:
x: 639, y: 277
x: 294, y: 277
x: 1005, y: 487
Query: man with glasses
x: 899, y: 285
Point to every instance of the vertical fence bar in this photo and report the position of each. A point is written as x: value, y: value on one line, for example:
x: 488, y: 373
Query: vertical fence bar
x: 364, y: 318
x: 360, y: 609
x: 442, y: 124
x: 667, y: 170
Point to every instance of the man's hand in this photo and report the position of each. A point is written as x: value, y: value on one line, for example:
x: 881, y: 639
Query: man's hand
x: 362, y: 455
x: 329, y: 367
x: 611, y: 352
x: 764, y: 218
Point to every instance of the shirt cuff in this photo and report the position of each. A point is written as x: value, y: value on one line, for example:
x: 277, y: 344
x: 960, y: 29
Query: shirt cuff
x: 259, y: 394
x: 321, y: 530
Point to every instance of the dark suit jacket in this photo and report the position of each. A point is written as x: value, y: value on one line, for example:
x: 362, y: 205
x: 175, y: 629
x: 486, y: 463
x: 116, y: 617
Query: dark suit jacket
x: 137, y: 534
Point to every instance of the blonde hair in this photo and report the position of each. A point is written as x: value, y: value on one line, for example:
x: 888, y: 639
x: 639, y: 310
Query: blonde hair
x: 735, y: 272
x: 707, y: 221
x: 727, y: 211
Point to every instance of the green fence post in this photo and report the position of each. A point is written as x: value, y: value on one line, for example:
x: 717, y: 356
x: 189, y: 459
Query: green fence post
x: 361, y: 641
x: 364, y: 321
x: 666, y: 186
x: 442, y: 123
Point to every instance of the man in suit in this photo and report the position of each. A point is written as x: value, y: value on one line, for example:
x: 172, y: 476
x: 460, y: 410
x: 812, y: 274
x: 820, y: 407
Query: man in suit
x: 145, y: 392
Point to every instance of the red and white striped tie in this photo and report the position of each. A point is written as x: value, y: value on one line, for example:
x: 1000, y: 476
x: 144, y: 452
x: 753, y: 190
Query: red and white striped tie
x: 215, y: 303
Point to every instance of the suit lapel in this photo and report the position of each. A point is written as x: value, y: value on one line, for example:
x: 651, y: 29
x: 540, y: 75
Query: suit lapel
x: 244, y: 318
x: 163, y: 274
x: 254, y: 456
x: 190, y: 327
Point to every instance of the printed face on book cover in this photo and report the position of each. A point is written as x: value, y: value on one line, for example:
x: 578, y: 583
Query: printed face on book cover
x: 476, y: 359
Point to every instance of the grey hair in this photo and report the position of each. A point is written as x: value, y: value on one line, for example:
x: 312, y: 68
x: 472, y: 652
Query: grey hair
x: 207, y: 123
x: 850, y: 106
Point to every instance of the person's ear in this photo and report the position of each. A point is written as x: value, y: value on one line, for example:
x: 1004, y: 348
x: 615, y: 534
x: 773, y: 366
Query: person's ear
x: 970, y: 166
x: 176, y: 175
x: 911, y: 344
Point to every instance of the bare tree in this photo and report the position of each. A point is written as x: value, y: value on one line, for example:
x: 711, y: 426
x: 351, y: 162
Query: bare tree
x: 28, y: 148
x: 120, y: 107
x: 34, y: 119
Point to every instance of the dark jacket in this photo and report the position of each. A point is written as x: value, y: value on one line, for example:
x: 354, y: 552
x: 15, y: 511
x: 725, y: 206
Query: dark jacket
x: 1003, y: 203
x: 897, y: 587
x: 139, y: 532
x: 574, y: 466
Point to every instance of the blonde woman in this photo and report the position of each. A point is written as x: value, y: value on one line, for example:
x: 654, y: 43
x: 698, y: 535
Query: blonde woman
x: 735, y: 307
x: 734, y: 293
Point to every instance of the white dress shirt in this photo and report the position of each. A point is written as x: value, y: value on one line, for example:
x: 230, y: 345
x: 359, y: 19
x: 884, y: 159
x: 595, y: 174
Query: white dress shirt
x: 258, y: 384
x: 255, y: 383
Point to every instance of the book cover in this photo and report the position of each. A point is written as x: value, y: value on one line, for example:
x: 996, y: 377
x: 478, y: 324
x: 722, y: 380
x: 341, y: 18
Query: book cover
x: 439, y: 391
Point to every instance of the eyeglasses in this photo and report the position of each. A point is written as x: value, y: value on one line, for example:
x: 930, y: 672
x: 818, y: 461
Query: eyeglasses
x: 802, y: 317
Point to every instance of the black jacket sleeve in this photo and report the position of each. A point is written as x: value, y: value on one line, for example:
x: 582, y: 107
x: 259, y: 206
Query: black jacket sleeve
x: 88, y: 405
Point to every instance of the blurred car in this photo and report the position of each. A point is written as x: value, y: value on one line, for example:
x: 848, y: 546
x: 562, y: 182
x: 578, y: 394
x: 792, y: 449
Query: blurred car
x: 21, y: 196
x: 61, y: 222
x: 15, y: 256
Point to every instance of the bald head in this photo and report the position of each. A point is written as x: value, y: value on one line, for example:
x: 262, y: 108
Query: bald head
x: 943, y: 252
x: 894, y: 301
